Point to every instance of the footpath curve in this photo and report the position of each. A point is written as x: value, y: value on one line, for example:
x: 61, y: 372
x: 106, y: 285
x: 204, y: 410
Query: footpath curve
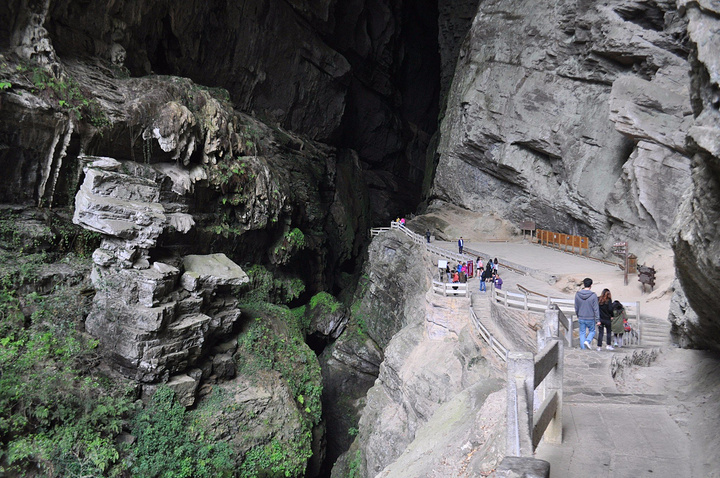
x: 606, y: 432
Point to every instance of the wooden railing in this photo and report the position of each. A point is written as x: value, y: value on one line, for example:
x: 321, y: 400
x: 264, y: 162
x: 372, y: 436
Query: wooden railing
x: 488, y: 337
x: 455, y: 289
x: 563, y: 241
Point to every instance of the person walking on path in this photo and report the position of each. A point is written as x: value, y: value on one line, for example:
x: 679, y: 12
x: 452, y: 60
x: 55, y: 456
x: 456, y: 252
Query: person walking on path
x: 482, y: 281
x: 498, y: 282
x: 427, y: 235
x: 461, y: 243
x: 606, y: 315
x: 619, y: 319
x: 588, y: 312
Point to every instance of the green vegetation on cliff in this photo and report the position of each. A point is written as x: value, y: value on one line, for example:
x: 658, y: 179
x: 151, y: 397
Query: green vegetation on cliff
x: 274, y: 341
x: 56, y: 415
x: 171, y: 443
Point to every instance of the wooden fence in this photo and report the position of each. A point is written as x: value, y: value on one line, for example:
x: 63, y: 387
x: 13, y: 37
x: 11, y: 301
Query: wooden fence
x: 566, y: 242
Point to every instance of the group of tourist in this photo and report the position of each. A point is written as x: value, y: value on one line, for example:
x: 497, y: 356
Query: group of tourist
x: 490, y: 273
x: 609, y: 316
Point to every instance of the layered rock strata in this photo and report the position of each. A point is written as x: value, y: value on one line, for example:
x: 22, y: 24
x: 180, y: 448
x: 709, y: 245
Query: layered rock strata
x: 696, y: 244
x: 357, y: 74
x: 431, y: 364
x: 574, y: 122
x: 154, y: 320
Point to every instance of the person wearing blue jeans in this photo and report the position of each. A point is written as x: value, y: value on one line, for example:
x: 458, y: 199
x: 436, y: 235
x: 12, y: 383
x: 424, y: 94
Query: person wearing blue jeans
x: 587, y: 310
x: 482, y: 282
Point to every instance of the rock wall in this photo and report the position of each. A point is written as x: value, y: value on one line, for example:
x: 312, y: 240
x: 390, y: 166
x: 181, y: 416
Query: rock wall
x: 389, y: 296
x: 362, y: 75
x: 154, y: 320
x: 571, y: 116
x: 696, y: 245
x: 429, y: 361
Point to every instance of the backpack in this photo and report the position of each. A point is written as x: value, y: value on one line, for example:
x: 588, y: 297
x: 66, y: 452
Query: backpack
x: 626, y: 326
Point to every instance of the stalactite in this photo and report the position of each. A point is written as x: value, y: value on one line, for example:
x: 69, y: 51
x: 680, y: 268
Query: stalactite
x: 47, y: 167
x: 59, y: 162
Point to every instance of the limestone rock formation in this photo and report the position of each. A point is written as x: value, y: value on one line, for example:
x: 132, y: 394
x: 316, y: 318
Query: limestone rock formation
x: 409, y: 390
x: 569, y: 122
x: 151, y: 321
x: 255, y: 411
x: 388, y: 297
x: 696, y: 245
x: 429, y: 357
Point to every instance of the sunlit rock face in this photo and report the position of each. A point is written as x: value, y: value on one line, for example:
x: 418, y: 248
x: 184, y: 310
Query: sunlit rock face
x: 573, y: 117
x: 697, y: 240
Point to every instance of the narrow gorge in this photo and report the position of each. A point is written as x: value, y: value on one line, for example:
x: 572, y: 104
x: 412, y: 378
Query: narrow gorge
x: 189, y: 285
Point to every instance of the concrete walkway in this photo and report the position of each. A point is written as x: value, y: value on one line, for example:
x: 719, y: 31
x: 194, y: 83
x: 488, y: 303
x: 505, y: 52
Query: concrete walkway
x: 611, y: 434
x: 606, y: 433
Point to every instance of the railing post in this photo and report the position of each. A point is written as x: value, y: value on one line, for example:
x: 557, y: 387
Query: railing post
x: 551, y: 327
x: 554, y: 384
x: 639, y: 322
x: 520, y: 389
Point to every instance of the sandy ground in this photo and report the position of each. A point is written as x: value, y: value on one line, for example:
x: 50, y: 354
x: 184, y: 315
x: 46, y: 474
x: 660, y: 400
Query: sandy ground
x: 568, y: 271
x: 482, y: 232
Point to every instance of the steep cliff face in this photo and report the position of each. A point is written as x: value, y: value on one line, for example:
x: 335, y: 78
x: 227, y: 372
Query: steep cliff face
x: 696, y: 246
x: 358, y: 74
x: 433, y: 381
x: 571, y: 116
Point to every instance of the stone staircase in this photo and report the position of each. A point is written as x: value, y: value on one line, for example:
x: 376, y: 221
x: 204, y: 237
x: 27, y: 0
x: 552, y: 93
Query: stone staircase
x: 608, y: 433
x: 656, y: 332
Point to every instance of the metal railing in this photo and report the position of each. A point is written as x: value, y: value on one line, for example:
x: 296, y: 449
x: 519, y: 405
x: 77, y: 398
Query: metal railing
x: 439, y: 251
x: 418, y: 239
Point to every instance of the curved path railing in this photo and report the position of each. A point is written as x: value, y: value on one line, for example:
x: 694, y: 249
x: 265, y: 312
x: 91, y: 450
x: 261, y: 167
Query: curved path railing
x: 528, y: 302
x: 525, y: 301
x: 527, y: 422
x: 494, y: 344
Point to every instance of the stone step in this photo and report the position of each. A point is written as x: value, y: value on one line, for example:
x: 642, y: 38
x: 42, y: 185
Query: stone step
x: 610, y: 398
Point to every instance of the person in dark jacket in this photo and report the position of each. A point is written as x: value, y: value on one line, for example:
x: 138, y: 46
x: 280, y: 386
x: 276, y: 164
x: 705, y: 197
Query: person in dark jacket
x: 588, y: 313
x: 605, y: 322
x: 619, y: 321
